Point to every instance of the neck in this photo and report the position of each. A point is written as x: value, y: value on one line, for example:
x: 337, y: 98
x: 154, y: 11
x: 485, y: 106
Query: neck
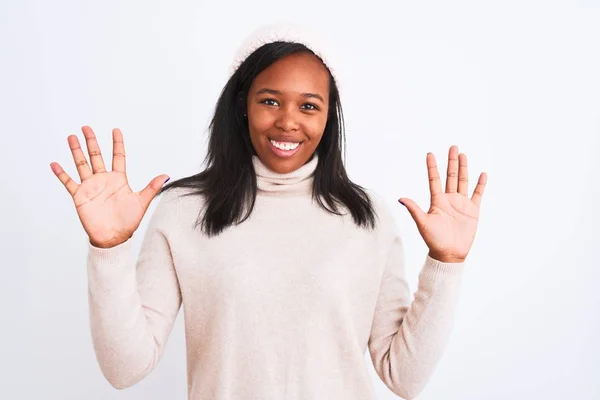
x: 297, y: 182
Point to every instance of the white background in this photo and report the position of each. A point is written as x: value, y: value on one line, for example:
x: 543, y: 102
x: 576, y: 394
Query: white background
x: 515, y: 84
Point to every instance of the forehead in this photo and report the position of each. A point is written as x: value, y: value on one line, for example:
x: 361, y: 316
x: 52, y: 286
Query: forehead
x: 301, y: 72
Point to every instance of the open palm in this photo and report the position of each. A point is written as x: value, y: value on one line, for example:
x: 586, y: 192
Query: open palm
x: 107, y: 207
x: 449, y: 227
x: 109, y: 210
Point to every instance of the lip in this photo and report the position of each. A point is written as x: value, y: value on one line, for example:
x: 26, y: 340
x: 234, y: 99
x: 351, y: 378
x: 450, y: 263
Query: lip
x: 284, y: 153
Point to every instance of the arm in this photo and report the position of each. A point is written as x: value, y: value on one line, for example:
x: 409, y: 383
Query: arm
x: 133, y: 303
x: 406, y: 343
x: 407, y: 340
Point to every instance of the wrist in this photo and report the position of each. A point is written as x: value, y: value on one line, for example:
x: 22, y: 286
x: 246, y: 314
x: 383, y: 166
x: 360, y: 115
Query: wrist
x: 108, y: 244
x: 446, y: 258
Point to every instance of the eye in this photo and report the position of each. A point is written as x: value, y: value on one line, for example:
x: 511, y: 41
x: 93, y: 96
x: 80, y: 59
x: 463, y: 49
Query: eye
x: 269, y: 102
x: 310, y: 106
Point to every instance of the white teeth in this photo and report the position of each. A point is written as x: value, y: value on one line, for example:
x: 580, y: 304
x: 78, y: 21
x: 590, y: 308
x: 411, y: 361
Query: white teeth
x: 285, y: 145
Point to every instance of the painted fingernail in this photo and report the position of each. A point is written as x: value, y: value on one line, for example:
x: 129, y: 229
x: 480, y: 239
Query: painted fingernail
x: 167, y: 180
x: 400, y: 201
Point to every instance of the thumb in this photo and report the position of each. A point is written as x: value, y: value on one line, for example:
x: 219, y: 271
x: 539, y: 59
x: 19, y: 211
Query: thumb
x: 415, y: 211
x: 151, y: 190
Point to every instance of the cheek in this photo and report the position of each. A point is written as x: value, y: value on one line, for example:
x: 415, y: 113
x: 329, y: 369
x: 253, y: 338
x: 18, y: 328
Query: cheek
x: 259, y: 119
x: 315, y: 127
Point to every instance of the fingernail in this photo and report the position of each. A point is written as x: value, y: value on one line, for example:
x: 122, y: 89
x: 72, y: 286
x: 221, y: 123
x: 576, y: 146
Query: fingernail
x: 167, y: 180
x: 400, y: 201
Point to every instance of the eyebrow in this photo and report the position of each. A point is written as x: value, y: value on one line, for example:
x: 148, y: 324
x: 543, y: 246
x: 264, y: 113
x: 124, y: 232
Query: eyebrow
x: 277, y: 92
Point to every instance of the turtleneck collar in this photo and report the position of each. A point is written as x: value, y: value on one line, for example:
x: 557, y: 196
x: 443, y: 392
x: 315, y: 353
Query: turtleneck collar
x: 275, y: 184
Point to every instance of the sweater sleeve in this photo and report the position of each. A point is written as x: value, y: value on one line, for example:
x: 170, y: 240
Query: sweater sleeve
x: 408, y: 339
x: 133, y: 303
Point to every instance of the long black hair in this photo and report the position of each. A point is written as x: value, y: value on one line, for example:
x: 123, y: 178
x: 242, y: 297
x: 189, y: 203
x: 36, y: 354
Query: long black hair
x: 228, y: 183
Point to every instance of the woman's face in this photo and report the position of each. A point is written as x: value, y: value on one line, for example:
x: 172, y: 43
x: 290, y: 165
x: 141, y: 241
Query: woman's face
x: 287, y: 111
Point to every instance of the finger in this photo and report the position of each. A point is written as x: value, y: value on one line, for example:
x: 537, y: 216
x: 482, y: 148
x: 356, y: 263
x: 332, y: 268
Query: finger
x: 151, y: 190
x: 66, y: 180
x: 93, y: 150
x: 463, y: 175
x: 435, y: 186
x: 415, y: 211
x: 452, y: 171
x: 118, y: 160
x: 478, y: 192
x: 83, y: 168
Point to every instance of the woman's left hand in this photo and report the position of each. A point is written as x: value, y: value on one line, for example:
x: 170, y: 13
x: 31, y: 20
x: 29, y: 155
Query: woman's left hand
x: 449, y: 226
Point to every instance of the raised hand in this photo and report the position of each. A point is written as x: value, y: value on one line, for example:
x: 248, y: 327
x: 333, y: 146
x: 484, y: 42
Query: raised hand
x: 449, y: 226
x: 109, y: 210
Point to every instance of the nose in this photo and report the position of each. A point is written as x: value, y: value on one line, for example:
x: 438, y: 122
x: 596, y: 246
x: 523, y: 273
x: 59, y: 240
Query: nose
x: 287, y: 120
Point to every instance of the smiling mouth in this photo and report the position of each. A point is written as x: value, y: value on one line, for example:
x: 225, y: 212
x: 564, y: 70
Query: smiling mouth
x: 285, y: 141
x: 284, y: 149
x: 285, y: 145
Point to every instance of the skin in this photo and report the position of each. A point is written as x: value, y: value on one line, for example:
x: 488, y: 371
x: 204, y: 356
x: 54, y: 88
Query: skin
x: 449, y: 227
x: 289, y: 102
x: 280, y: 108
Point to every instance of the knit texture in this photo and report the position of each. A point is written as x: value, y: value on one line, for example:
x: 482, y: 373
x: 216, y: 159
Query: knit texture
x: 287, y: 32
x: 282, y: 306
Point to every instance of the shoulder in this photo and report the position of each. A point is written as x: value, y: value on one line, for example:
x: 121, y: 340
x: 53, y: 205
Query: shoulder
x: 181, y: 202
x: 177, y: 195
x: 174, y: 207
x: 379, y: 202
x: 164, y: 208
x: 386, y: 221
x: 169, y: 199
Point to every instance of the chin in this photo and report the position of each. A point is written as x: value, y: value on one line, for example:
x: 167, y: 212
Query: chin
x: 283, y: 165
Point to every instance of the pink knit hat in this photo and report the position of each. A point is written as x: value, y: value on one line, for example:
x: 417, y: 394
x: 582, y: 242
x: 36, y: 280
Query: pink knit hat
x: 287, y: 32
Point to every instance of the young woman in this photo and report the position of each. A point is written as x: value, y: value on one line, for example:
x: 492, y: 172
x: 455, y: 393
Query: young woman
x: 287, y: 271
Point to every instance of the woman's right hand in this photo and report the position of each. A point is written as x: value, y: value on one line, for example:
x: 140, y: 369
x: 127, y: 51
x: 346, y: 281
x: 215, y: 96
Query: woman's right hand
x: 109, y: 210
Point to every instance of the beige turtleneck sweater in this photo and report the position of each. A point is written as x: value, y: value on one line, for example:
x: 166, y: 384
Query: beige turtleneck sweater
x: 283, y: 306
